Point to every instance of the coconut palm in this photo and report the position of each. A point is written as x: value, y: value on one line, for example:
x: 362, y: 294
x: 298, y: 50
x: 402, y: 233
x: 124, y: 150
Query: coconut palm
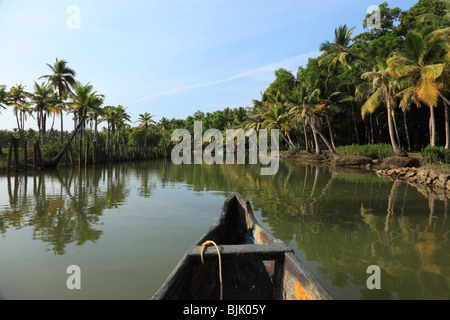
x: 61, y: 80
x: 422, y: 63
x: 109, y: 115
x: 277, y: 115
x: 83, y: 100
x: 44, y: 101
x: 340, y: 50
x: 383, y: 82
x: 444, y: 92
x: 18, y: 99
x: 313, y: 117
x: 122, y: 117
x: 164, y: 124
x: 145, y: 122
x: 3, y: 97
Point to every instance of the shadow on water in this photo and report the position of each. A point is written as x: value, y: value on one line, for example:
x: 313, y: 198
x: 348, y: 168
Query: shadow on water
x: 340, y: 220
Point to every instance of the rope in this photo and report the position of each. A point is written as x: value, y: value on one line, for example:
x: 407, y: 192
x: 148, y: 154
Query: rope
x: 204, y: 245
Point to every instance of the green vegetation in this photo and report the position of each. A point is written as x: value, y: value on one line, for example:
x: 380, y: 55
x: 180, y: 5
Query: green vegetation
x: 436, y: 154
x: 376, y: 151
x: 385, y: 85
x: 370, y: 87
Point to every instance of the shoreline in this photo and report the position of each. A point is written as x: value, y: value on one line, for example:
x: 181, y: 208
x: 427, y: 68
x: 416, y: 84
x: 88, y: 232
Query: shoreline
x: 409, y: 169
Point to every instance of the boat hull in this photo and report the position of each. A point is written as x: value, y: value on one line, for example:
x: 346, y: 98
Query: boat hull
x: 254, y: 264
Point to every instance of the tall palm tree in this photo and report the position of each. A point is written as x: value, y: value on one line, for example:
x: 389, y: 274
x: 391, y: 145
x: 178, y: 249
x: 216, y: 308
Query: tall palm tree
x: 164, y: 124
x: 312, y: 116
x: 277, y: 115
x: 94, y: 116
x: 341, y: 52
x: 122, y: 117
x: 109, y: 115
x: 18, y: 99
x: 62, y: 79
x: 145, y: 122
x: 83, y: 100
x: 444, y: 92
x: 383, y: 82
x: 3, y: 96
x: 422, y: 63
x: 44, y: 101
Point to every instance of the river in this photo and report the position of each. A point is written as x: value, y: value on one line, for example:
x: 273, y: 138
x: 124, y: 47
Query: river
x: 127, y: 225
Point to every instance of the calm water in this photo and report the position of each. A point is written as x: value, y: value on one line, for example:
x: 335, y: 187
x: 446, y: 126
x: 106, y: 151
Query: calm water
x: 126, y: 226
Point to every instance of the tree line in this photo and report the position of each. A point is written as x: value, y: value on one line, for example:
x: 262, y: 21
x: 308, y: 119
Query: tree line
x: 387, y: 84
x: 365, y: 88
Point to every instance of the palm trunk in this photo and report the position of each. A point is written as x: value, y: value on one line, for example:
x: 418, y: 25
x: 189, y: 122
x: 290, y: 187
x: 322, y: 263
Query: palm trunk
x: 316, y: 141
x: 447, y: 121
x: 354, y: 118
x: 331, y: 132
x: 107, y: 139
x: 432, y: 127
x: 52, y: 163
x: 396, y: 129
x: 447, y: 126
x: 405, y: 123
x: 328, y: 144
x: 306, y: 138
x: 397, y: 150
x: 372, y: 137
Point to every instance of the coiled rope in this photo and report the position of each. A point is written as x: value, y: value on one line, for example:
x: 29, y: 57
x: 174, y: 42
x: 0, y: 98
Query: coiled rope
x: 204, y: 245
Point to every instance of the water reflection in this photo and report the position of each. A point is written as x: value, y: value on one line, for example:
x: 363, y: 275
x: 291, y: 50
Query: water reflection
x: 339, y: 220
x: 62, y: 206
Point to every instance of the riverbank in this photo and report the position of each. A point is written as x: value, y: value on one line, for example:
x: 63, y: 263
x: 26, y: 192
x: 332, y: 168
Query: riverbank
x: 412, y: 169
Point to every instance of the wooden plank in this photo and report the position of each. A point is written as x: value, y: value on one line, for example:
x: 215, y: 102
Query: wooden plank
x: 242, y: 252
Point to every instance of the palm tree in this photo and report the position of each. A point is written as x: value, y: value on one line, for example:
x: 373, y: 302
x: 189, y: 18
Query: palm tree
x: 164, y: 124
x: 444, y: 93
x: 341, y: 52
x: 422, y: 64
x: 145, y: 122
x: 277, y: 115
x: 3, y: 96
x: 93, y: 116
x: 383, y: 82
x: 18, y: 99
x: 61, y: 80
x: 83, y: 100
x: 109, y: 115
x: 313, y: 117
x: 45, y: 101
x: 121, y: 118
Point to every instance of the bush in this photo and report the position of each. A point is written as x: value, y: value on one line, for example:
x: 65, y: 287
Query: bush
x: 375, y: 151
x: 436, y: 154
x: 50, y: 150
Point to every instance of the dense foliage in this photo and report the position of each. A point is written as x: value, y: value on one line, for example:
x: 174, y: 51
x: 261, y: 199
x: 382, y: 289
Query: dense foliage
x: 387, y: 85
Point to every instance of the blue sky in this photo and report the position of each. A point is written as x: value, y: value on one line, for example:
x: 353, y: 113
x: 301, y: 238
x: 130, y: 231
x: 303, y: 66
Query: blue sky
x: 169, y: 58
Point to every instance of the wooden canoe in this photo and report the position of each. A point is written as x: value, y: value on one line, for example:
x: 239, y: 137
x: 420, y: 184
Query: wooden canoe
x: 254, y: 264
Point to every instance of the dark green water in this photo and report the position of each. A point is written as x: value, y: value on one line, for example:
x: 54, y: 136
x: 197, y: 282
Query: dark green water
x: 126, y: 226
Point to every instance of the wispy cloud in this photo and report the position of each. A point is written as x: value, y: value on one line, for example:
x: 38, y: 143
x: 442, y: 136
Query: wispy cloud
x: 263, y: 73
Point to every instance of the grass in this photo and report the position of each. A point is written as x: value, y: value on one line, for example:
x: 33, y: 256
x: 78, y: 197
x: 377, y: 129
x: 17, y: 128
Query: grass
x: 436, y: 155
x: 375, y: 151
